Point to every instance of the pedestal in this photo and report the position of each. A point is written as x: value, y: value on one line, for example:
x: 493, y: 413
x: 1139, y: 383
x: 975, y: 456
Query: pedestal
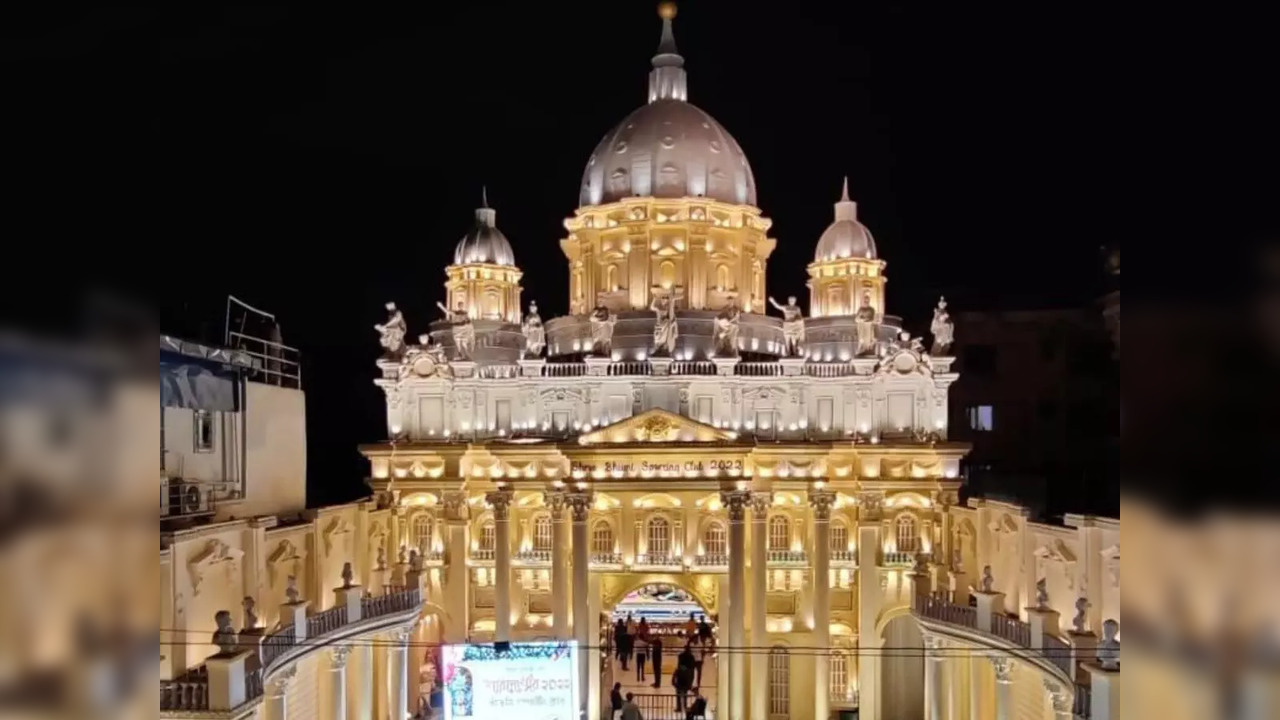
x: 1105, y: 690
x: 989, y: 603
x: 251, y: 639
x: 1084, y: 646
x: 660, y: 365
x: 959, y: 588
x: 1043, y: 621
x: 462, y: 368
x: 227, y: 689
x: 920, y: 584
x: 350, y: 599
x: 379, y: 579
x: 295, y: 615
x: 417, y: 580
x: 792, y: 366
x: 939, y: 577
x: 725, y: 365
x: 598, y: 366
x: 398, y: 573
x: 532, y: 367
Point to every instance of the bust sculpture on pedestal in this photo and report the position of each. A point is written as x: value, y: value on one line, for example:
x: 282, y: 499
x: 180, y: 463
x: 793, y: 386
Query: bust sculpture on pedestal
x: 348, y: 576
x: 225, y: 634
x: 1109, y: 647
x: 1042, y: 593
x: 250, y: 612
x: 988, y: 581
x: 291, y: 589
x: 1078, y: 621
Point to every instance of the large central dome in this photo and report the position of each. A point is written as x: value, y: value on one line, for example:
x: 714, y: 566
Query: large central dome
x: 668, y: 148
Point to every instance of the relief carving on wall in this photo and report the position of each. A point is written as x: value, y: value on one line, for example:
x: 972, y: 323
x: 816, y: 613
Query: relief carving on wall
x: 1111, y: 564
x: 286, y: 560
x: 1056, y: 551
x: 217, y: 559
x: 337, y: 535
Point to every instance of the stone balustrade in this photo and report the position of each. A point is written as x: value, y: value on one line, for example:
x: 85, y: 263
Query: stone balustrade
x: 787, y: 557
x: 191, y: 691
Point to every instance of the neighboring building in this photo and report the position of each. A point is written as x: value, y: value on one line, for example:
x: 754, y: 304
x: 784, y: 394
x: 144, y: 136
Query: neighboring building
x: 314, y: 640
x: 1111, y: 302
x: 801, y: 490
x: 1037, y: 401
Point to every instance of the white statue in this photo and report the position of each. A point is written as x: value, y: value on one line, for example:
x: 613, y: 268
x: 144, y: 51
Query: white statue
x: 665, y: 330
x: 792, y: 325
x: 464, y: 333
x: 942, y: 328
x: 1042, y: 593
x: 535, y: 337
x: 602, y: 322
x: 957, y: 560
x: 988, y: 582
x: 1082, y: 607
x: 921, y: 566
x: 1109, y: 646
x: 727, y: 331
x: 250, y: 612
x: 381, y: 562
x: 403, y: 557
x: 865, y: 322
x: 392, y: 331
x: 225, y: 635
x: 291, y: 590
x: 348, y: 576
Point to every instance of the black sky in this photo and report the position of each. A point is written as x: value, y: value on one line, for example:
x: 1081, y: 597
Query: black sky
x: 318, y: 161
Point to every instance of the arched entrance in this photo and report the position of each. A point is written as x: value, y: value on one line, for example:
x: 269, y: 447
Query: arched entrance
x: 902, y: 669
x: 665, y: 602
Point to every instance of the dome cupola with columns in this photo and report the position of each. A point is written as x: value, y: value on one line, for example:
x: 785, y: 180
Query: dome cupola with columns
x: 846, y: 272
x: 667, y: 206
x: 483, y: 279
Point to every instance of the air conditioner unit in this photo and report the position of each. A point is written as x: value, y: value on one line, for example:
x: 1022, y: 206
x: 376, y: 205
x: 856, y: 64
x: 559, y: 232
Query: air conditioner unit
x: 188, y: 498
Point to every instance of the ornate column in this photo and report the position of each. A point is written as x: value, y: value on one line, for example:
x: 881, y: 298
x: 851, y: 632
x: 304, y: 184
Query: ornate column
x: 975, y: 687
x: 559, y: 565
x: 732, y: 651
x: 870, y: 516
x: 580, y: 503
x: 1059, y: 699
x: 456, y: 597
x: 821, y: 500
x: 278, y: 693
x: 760, y: 503
x: 398, y: 669
x: 500, y: 500
x: 1004, y: 686
x: 933, y: 677
x: 337, y: 709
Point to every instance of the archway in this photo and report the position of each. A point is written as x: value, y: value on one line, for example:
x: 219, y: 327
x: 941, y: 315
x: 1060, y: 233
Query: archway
x: 902, y: 669
x: 665, y: 602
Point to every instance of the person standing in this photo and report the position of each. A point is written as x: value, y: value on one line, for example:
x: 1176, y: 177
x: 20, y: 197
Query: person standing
x: 629, y: 709
x: 704, y: 630
x: 655, y: 652
x: 615, y: 700
x: 642, y: 656
x: 690, y: 628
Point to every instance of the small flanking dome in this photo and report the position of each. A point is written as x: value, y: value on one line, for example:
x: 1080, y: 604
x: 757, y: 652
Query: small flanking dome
x: 846, y: 237
x: 668, y: 148
x: 485, y: 243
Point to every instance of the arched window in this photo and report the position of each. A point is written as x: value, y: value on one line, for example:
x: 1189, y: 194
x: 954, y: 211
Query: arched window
x: 839, y: 538
x: 838, y: 675
x: 543, y: 533
x: 667, y: 274
x: 491, y: 303
x: 779, y: 682
x: 421, y: 532
x: 722, y: 277
x: 908, y: 535
x: 611, y: 278
x: 488, y: 536
x: 835, y: 300
x: 659, y: 537
x: 779, y: 533
x: 602, y: 538
x: 714, y: 541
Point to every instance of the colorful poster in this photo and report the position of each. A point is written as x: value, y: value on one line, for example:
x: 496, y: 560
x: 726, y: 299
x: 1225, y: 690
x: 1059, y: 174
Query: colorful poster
x: 536, y: 680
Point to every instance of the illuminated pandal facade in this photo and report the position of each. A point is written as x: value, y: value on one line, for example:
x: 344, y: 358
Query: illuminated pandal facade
x: 804, y: 493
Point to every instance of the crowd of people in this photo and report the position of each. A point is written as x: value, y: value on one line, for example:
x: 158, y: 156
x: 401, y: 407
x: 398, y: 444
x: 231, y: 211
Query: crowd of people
x: 643, y: 644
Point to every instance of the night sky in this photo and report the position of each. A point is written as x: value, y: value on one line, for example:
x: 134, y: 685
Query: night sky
x: 318, y: 162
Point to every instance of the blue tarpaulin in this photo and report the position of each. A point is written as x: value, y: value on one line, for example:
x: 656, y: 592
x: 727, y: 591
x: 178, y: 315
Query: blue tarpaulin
x: 187, y: 382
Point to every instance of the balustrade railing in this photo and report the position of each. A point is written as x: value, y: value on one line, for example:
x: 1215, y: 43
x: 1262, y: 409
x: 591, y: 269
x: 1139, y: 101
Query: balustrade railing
x: 895, y: 558
x: 936, y: 607
x: 532, y: 556
x: 712, y: 560
x: 654, y: 560
x: 1059, y: 653
x: 564, y: 370
x: 191, y: 690
x: 787, y: 557
x: 693, y: 367
x: 482, y: 554
x: 498, y: 372
x: 758, y: 369
x: 662, y: 707
x: 1082, y: 705
x: 1011, y: 629
x: 630, y: 367
x: 844, y: 557
x: 606, y: 558
x: 830, y: 370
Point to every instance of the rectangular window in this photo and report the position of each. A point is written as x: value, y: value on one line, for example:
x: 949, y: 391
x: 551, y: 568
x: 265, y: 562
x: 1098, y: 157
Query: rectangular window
x: 981, y: 418
x: 826, y: 411
x: 204, y: 431
x: 703, y: 412
x: 502, y: 409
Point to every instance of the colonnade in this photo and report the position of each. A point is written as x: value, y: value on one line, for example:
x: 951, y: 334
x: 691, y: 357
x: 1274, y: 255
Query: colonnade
x: 947, y: 673
x: 333, y: 677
